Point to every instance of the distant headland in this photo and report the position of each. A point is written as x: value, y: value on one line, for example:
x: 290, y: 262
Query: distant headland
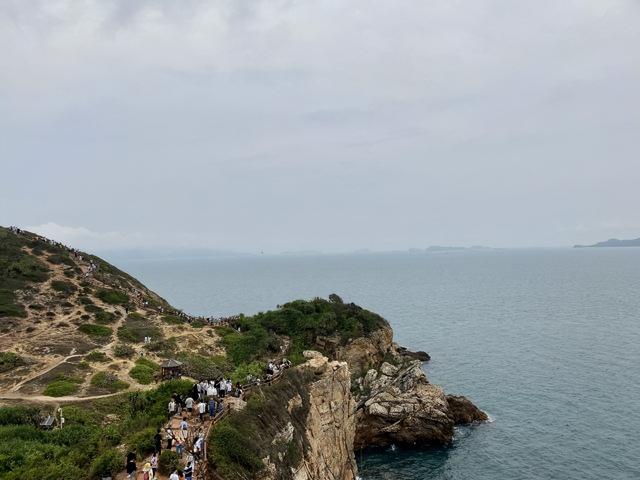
x: 613, y: 242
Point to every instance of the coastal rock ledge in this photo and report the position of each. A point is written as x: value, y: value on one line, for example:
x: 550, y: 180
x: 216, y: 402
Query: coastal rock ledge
x: 395, y: 403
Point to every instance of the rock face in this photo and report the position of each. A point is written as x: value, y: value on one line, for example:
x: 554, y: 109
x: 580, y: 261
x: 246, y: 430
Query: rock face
x: 464, y: 412
x: 396, y: 404
x: 400, y: 406
x: 330, y: 424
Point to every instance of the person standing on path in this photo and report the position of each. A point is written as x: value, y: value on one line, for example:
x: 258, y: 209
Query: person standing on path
x: 202, y: 408
x: 157, y: 441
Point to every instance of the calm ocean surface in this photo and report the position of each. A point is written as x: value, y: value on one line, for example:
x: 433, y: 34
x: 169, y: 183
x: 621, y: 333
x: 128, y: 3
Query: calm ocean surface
x: 546, y: 341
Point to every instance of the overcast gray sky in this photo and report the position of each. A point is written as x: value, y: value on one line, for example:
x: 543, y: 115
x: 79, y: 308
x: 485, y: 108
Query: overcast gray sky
x: 320, y: 124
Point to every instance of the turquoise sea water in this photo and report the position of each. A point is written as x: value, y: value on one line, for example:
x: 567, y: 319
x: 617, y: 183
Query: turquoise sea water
x: 546, y: 341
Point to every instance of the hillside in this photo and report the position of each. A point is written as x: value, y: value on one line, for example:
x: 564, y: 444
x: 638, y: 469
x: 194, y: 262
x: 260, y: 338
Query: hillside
x: 72, y: 325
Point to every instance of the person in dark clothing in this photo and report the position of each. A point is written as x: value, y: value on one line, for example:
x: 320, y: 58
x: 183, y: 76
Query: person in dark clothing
x: 157, y: 440
x: 131, y: 465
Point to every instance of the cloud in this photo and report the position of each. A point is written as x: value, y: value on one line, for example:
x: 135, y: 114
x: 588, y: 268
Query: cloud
x: 239, y: 124
x: 83, y: 238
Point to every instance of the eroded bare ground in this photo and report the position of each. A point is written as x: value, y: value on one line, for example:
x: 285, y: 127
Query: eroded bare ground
x: 52, y: 346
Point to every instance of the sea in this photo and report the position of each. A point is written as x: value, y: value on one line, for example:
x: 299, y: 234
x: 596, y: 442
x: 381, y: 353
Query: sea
x: 546, y: 341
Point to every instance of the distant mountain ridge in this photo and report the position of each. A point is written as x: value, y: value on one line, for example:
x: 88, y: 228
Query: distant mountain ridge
x: 613, y: 242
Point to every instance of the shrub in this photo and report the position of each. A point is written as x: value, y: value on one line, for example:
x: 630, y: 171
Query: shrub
x: 123, y: 351
x: 109, y: 463
x: 108, y: 381
x: 104, y: 317
x: 84, y: 300
x: 95, y: 330
x: 62, y: 387
x: 168, y: 462
x: 57, y: 259
x: 29, y: 269
x: 19, y: 416
x: 9, y: 361
x: 113, y: 297
x: 200, y: 366
x: 96, y: 356
x: 137, y: 327
x: 63, y: 286
x: 144, y: 371
x: 172, y: 320
x: 91, y: 308
x: 142, y: 442
x: 240, y: 374
x: 8, y: 305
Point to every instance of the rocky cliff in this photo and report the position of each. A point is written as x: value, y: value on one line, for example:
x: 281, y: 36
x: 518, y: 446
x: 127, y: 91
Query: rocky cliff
x: 395, y: 403
x: 326, y: 431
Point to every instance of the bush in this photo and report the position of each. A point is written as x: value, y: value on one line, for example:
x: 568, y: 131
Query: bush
x: 62, y: 386
x: 144, y: 371
x: 96, y: 356
x: 84, y: 300
x: 240, y: 374
x: 63, y: 286
x: 57, y: 259
x: 95, y: 330
x: 172, y: 320
x: 123, y: 351
x: 199, y: 366
x: 142, y: 442
x: 104, y: 317
x: 19, y: 416
x: 137, y: 327
x: 113, y: 297
x: 168, y: 462
x: 91, y: 308
x: 108, y: 464
x: 109, y: 382
x: 9, y: 361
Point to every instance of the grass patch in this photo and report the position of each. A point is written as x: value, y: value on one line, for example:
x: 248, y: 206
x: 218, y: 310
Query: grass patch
x: 123, y: 351
x: 62, y: 386
x: 9, y: 361
x: 109, y: 382
x: 95, y: 330
x: 113, y: 297
x: 103, y: 317
x: 96, y: 356
x: 136, y: 327
x: 144, y: 371
x: 172, y: 320
x: 63, y: 286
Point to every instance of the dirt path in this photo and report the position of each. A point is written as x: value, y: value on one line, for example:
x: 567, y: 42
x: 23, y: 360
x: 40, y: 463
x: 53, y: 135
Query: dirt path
x: 45, y: 399
x: 47, y: 368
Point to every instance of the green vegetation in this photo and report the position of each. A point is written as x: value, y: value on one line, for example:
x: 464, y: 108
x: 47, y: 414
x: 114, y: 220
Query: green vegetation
x: 303, y: 321
x: 17, y: 270
x: 9, y: 361
x: 64, y: 287
x: 200, y: 366
x: 104, y: 317
x: 112, y: 297
x: 144, y: 371
x: 239, y: 441
x: 96, y: 356
x: 95, y: 330
x: 163, y: 347
x: 62, y: 386
x: 86, y: 448
x: 168, y: 462
x: 136, y: 327
x: 109, y: 382
x: 58, y: 258
x: 172, y: 320
x: 123, y: 351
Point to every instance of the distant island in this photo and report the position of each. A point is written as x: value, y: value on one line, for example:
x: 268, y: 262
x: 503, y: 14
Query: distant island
x: 613, y: 242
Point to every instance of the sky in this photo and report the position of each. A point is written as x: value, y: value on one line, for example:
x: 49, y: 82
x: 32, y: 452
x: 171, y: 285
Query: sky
x: 320, y: 124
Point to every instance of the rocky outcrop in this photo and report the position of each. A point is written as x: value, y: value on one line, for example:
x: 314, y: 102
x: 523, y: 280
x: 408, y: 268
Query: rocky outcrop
x: 463, y: 411
x: 329, y: 429
x: 399, y: 405
x: 396, y: 404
